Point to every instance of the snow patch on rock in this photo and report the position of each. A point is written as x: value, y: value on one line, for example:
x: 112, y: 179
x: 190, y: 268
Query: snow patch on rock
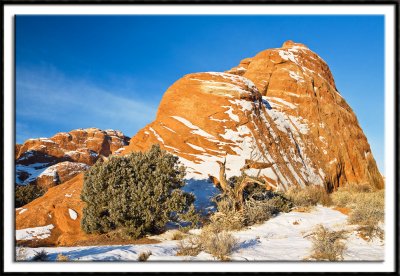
x: 72, y: 214
x: 41, y: 232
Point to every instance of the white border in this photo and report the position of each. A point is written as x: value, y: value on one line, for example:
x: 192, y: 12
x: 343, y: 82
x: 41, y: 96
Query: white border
x: 386, y: 10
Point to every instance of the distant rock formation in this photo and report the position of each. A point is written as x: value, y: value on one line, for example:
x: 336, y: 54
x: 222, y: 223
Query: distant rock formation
x: 39, y: 160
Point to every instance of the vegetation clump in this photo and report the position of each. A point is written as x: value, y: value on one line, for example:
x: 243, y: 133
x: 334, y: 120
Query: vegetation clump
x: 26, y: 194
x: 144, y: 256
x: 245, y: 203
x: 136, y: 194
x: 62, y: 258
x: 368, y: 212
x: 217, y: 242
x: 41, y: 256
x: 309, y: 196
x: 261, y: 206
x: 367, y: 206
x: 191, y: 246
x: 21, y: 254
x: 327, y: 244
x: 220, y: 244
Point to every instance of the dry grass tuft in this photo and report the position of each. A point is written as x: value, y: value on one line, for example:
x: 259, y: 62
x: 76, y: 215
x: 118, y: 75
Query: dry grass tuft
x: 219, y: 244
x: 328, y: 245
x: 368, y: 212
x: 342, y: 198
x: 144, y: 256
x: 21, y: 254
x: 359, y: 188
x: 367, y: 206
x: 309, y: 196
x: 62, y: 258
x: 177, y: 235
x: 191, y: 246
x: 346, y: 196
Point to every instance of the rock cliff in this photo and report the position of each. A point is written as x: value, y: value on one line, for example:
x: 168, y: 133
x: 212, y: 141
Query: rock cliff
x: 277, y: 115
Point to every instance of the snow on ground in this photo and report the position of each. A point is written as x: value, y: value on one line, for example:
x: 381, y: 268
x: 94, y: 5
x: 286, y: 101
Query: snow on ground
x: 283, y: 237
x: 41, y: 232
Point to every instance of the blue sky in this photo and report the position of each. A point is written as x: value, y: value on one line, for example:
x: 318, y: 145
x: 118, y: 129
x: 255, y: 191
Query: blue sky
x: 111, y: 71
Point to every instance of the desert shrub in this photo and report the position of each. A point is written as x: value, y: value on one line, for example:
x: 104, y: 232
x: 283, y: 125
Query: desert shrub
x: 144, y: 256
x: 342, y: 197
x: 309, y: 196
x: 41, y: 256
x: 359, y: 188
x: 367, y: 206
x: 327, y: 245
x: 21, y: 254
x: 369, y: 209
x: 220, y: 244
x: 368, y: 212
x: 191, y: 246
x: 190, y: 218
x: 137, y: 193
x: 257, y: 211
x: 347, y: 196
x: 369, y: 232
x: 62, y: 258
x: 261, y: 206
x: 26, y: 194
x: 227, y: 217
x: 281, y: 203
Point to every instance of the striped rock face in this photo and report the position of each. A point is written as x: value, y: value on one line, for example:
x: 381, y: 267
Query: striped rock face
x: 277, y: 116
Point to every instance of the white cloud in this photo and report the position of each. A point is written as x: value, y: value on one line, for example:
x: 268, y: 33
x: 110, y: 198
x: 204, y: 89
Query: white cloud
x: 46, y: 97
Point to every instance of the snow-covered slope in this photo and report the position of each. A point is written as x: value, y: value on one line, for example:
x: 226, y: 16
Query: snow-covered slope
x: 281, y: 238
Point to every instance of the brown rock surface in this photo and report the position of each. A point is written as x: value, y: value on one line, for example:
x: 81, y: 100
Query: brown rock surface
x: 59, y: 173
x: 81, y: 146
x: 53, y: 208
x: 17, y: 148
x: 279, y: 117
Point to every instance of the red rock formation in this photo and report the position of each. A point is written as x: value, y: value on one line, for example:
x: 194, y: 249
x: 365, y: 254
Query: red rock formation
x: 293, y: 119
x: 277, y: 115
x: 81, y: 146
x: 59, y: 173
x: 336, y: 141
x: 17, y: 148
